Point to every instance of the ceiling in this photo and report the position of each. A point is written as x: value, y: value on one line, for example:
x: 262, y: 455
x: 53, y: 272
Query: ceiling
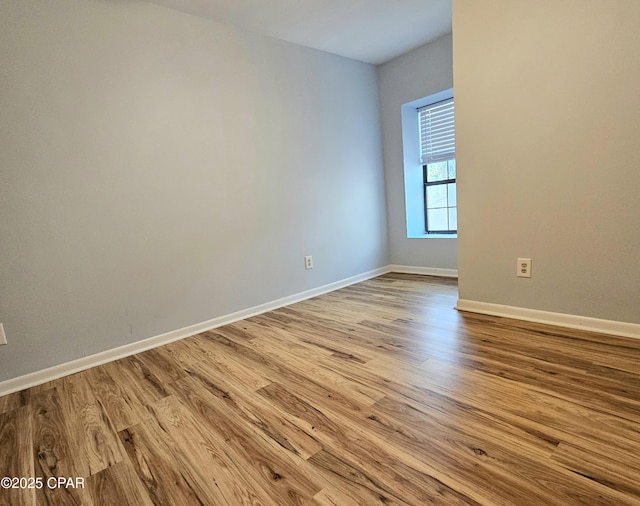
x: 372, y: 31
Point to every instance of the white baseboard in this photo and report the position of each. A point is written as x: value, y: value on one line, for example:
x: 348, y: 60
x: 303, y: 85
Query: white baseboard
x: 611, y: 327
x: 425, y: 271
x: 81, y: 364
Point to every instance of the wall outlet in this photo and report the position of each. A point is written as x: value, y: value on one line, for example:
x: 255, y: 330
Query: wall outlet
x: 524, y: 268
x: 3, y: 336
x: 308, y: 262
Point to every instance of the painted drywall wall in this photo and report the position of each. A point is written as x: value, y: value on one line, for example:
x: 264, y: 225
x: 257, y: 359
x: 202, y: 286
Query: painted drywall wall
x: 158, y: 170
x: 417, y: 74
x: 547, y: 129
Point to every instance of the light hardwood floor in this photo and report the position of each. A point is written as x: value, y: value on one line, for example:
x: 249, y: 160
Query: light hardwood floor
x: 379, y: 393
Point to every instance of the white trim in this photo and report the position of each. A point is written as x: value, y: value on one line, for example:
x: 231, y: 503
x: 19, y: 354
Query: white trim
x: 425, y: 271
x: 81, y: 364
x: 74, y: 366
x: 611, y: 327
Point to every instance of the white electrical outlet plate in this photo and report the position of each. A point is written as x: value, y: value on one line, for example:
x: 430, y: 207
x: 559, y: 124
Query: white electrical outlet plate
x: 3, y: 337
x: 308, y: 262
x: 524, y: 268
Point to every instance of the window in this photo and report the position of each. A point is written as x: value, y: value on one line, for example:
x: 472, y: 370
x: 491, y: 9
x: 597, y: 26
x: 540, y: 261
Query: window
x: 438, y: 159
x: 415, y: 158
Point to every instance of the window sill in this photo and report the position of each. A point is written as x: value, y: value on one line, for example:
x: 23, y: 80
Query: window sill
x: 434, y: 236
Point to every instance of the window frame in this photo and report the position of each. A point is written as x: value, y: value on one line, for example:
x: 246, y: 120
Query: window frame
x: 442, y: 182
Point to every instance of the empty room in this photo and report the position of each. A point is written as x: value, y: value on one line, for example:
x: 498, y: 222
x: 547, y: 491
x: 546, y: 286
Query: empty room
x: 319, y: 252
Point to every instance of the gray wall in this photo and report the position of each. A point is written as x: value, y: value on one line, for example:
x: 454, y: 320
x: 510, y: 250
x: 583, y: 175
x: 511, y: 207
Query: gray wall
x: 547, y: 129
x: 422, y: 72
x: 158, y: 170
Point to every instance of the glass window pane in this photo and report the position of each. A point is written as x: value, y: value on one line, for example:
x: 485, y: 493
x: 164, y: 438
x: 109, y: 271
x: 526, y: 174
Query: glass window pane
x: 453, y: 218
x: 452, y: 169
x: 437, y: 219
x: 436, y: 196
x: 452, y: 193
x: 436, y: 171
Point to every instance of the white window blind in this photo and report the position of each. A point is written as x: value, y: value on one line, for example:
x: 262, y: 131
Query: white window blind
x: 437, y: 132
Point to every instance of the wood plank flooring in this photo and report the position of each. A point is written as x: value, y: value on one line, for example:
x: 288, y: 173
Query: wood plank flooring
x: 379, y: 393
